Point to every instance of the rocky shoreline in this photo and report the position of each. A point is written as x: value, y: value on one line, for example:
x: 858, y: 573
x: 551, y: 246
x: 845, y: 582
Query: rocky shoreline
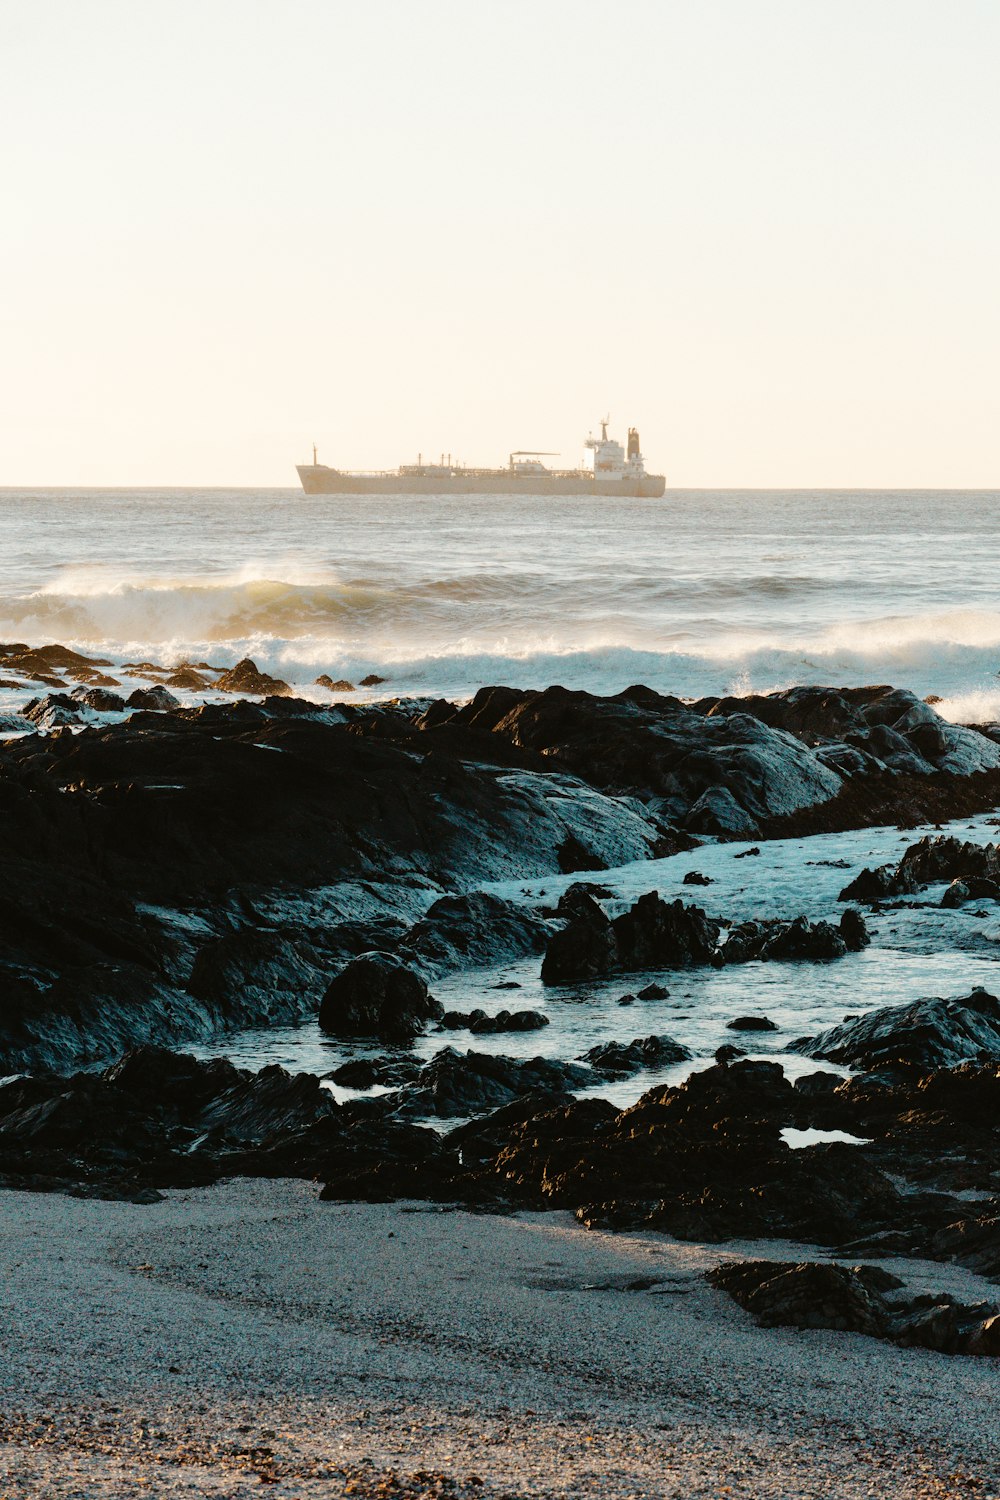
x: 178, y: 871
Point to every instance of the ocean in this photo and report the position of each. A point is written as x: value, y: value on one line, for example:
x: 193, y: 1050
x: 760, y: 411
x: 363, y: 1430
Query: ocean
x: 701, y: 592
x: 705, y: 591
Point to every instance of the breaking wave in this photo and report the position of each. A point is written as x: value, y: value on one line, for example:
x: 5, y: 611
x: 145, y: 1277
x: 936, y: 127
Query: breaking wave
x: 710, y: 593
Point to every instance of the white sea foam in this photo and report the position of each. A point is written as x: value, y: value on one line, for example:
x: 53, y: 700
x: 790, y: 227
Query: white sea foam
x: 696, y: 594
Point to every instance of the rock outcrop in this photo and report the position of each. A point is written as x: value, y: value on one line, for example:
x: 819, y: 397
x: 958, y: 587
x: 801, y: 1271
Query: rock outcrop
x: 376, y: 995
x: 658, y: 934
x: 854, y: 1299
x: 926, y: 1035
x: 246, y: 680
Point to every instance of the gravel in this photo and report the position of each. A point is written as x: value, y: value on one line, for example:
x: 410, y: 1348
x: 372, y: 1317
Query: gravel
x: 247, y: 1335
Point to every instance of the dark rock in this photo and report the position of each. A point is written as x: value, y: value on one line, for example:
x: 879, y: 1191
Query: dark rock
x: 244, y: 679
x: 746, y: 853
x: 728, y: 1053
x: 187, y: 679
x: 480, y: 1024
x: 854, y: 930
x: 158, y: 699
x: 100, y: 699
x: 972, y: 888
x: 455, y: 1084
x: 926, y: 1034
x: 508, y: 1020
x: 928, y: 862
x: 157, y: 1119
x: 33, y: 659
x: 652, y: 934
x: 853, y: 1298
x: 377, y: 995
x: 586, y: 948
x: 474, y: 931
x: 751, y: 1023
x: 340, y: 686
x: 369, y: 1072
x: 54, y: 711
x: 801, y: 939
x: 817, y: 1085
x: 808, y: 1295
x: 654, y: 992
x: 573, y: 856
x: 259, y: 977
x: 619, y: 1059
x: 372, y: 680
x: 695, y: 877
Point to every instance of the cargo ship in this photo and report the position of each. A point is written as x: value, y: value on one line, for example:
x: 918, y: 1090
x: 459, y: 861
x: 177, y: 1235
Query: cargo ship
x: 615, y: 471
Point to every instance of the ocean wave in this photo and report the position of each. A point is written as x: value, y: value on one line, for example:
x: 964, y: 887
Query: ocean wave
x: 284, y: 598
x: 448, y: 636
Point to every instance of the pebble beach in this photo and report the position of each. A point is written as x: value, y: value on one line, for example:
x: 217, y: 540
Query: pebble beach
x: 247, y: 1337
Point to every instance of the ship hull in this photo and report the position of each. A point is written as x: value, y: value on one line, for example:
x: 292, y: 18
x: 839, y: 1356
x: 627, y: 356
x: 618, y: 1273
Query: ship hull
x: 317, y: 479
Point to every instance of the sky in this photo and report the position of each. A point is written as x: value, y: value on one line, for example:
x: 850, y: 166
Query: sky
x: 766, y: 232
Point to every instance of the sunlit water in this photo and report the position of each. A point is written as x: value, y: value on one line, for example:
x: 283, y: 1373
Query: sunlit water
x: 699, y: 592
x: 918, y: 949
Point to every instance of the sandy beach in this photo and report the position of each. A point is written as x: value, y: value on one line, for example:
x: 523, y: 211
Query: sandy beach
x: 247, y: 1335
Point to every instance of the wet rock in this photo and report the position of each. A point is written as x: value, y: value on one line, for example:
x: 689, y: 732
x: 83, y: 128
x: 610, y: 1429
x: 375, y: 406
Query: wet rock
x: 751, y: 1023
x: 574, y: 856
x: 973, y: 888
x: 454, y: 1084
x: 245, y: 678
x: 377, y: 995
x: 654, y: 991
x: 926, y: 1034
x: 101, y: 699
x: 928, y: 862
x: 854, y: 930
x: 372, y: 680
x: 747, y: 853
x: 481, y: 1024
x: 340, y: 686
x: 88, y: 677
x: 802, y: 939
x: 159, y: 1119
x: 586, y: 948
x: 256, y: 977
x: 371, y: 1072
x: 187, y: 679
x: 695, y: 877
x: 619, y: 1059
x: 717, y: 774
x: 479, y: 930
x: 158, y: 699
x: 54, y: 711
x: 728, y: 1053
x: 655, y: 934
x: 30, y: 660
x: 652, y: 934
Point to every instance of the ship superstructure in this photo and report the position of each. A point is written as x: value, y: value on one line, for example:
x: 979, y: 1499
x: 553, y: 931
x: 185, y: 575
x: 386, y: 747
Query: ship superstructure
x: 616, y: 471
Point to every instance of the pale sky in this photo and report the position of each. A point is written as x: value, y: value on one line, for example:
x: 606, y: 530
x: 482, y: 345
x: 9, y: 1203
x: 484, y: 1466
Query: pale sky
x: 765, y: 231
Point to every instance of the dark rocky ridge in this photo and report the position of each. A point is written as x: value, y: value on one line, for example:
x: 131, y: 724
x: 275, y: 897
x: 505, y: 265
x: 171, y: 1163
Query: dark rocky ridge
x: 656, y: 934
x: 855, y: 1299
x: 730, y: 765
x: 212, y: 809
